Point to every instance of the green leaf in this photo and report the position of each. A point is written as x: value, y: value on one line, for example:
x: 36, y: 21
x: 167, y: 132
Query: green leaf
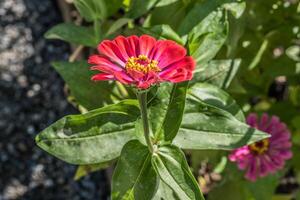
x: 138, y: 7
x: 85, y: 8
x: 215, y: 97
x: 94, y: 137
x: 207, y: 124
x: 83, y: 170
x: 158, y: 106
x: 87, y: 93
x: 205, y: 8
x: 172, y: 168
x: 163, y: 31
x: 236, y: 8
x: 72, y: 33
x: 164, y: 192
x: 92, y: 10
x: 206, y: 39
x: 207, y: 27
x: 171, y: 14
x: 166, y: 110
x: 236, y: 31
x: 196, y: 15
x: 217, y: 72
x: 173, y: 117
x: 134, y: 176
x: 117, y: 25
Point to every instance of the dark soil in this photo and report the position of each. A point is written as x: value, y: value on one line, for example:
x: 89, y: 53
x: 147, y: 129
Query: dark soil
x: 31, y: 98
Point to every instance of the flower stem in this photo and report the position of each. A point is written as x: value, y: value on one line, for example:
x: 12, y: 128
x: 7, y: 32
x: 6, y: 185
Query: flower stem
x: 142, y: 97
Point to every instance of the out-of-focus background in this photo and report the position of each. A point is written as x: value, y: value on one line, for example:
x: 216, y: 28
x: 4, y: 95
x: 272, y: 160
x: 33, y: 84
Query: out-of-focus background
x: 31, y: 98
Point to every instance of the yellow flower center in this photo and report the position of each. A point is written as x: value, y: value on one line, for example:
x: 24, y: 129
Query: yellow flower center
x: 142, y: 64
x: 260, y: 147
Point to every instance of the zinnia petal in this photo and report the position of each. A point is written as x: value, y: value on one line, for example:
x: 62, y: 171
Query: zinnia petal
x: 146, y: 44
x: 252, y: 171
x: 264, y: 122
x: 252, y: 120
x: 167, y: 52
x: 134, y: 47
x: 111, y: 51
x: 179, y: 71
x: 103, y: 64
x: 102, y: 77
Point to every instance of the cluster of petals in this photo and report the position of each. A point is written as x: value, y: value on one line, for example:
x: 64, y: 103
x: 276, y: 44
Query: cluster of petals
x: 267, y: 156
x: 141, y: 61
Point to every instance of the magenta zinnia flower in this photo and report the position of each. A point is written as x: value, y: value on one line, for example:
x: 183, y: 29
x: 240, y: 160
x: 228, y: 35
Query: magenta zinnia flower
x: 141, y: 61
x: 266, y: 156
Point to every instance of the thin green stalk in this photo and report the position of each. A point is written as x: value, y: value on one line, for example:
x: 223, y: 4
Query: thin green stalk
x: 122, y: 89
x: 142, y: 98
x: 97, y: 30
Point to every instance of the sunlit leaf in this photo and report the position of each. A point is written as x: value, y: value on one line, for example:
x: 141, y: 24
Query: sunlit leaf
x: 94, y: 137
x: 209, y: 122
x: 207, y: 37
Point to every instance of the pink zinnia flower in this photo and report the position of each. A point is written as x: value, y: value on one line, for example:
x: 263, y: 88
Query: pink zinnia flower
x: 141, y: 61
x: 266, y: 156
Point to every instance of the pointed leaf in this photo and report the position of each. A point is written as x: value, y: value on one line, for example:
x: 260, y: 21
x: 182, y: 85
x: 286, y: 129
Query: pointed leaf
x: 236, y: 8
x: 215, y: 97
x: 175, y: 111
x: 207, y: 124
x: 167, y: 114
x: 158, y: 106
x: 72, y: 33
x: 134, y: 177
x: 207, y: 38
x: 172, y: 168
x: 94, y: 137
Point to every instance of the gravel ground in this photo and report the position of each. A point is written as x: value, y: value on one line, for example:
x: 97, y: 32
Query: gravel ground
x: 31, y: 98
